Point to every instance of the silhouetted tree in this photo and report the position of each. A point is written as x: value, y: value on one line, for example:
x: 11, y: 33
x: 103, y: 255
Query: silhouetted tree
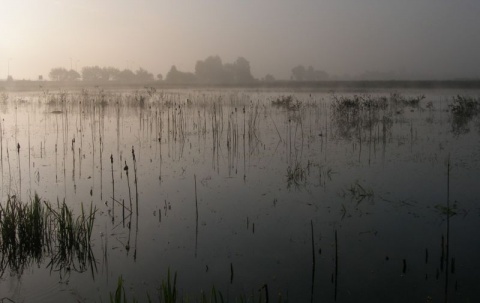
x: 126, y: 75
x: 62, y: 74
x: 92, y: 73
x: 73, y: 75
x: 160, y: 77
x: 176, y: 76
x: 269, y: 78
x: 212, y: 70
x: 241, y: 69
x: 58, y: 74
x: 143, y: 75
x: 112, y: 72
x: 300, y: 73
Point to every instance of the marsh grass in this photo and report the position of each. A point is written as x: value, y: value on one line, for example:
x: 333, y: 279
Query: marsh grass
x: 296, y: 175
x: 358, y: 115
x: 31, y: 232
x: 24, y: 233
x: 168, y: 293
x: 463, y: 109
x: 169, y: 288
x: 287, y: 102
x: 400, y: 100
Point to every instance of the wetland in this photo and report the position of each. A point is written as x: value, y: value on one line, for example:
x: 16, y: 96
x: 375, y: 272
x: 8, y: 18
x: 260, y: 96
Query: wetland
x: 288, y: 195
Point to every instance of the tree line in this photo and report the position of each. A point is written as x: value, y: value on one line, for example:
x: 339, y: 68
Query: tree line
x: 209, y: 71
x: 96, y: 73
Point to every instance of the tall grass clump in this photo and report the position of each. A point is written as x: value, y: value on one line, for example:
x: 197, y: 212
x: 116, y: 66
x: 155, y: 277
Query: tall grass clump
x: 398, y: 99
x: 463, y: 109
x: 353, y: 114
x: 31, y: 232
x: 287, y: 102
x: 23, y: 229
x: 73, y: 235
x: 296, y: 175
x: 465, y: 106
x: 169, y: 289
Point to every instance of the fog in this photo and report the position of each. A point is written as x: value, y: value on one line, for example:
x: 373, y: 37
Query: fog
x: 348, y: 39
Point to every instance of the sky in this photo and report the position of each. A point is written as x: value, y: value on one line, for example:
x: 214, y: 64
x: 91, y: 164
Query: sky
x: 414, y: 39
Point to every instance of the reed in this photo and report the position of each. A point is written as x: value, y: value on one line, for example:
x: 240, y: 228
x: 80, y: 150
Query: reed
x: 196, y: 215
x: 336, y: 265
x: 296, y: 175
x: 169, y: 288
x: 19, y: 171
x: 313, y: 262
x: 30, y: 232
x: 135, y: 178
x: 447, y: 244
x: 113, y: 189
x: 125, y: 168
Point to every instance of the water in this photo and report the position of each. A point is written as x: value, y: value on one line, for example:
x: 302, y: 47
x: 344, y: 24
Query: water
x: 229, y: 186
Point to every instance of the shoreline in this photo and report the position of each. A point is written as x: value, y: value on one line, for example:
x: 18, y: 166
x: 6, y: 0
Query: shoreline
x: 29, y: 85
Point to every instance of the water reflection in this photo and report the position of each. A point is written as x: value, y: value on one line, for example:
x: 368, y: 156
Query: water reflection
x: 356, y: 181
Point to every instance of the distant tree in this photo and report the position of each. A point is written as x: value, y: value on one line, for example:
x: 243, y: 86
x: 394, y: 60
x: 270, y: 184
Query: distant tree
x: 126, y: 75
x: 110, y: 73
x: 241, y: 68
x: 176, y: 76
x: 58, y: 74
x: 73, y: 75
x: 298, y: 73
x: 40, y: 78
x: 9, y: 78
x: 62, y: 74
x: 212, y: 70
x: 160, y: 77
x: 269, y: 78
x: 92, y: 73
x: 143, y: 75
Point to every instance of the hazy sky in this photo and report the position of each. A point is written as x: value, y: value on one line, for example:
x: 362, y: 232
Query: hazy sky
x: 427, y: 38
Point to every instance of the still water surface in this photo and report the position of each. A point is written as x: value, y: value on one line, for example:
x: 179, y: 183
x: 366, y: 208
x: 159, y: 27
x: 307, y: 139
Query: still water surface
x: 249, y: 192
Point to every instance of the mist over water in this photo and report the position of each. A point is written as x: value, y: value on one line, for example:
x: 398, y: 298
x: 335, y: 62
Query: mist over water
x: 281, y: 151
x: 349, y: 40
